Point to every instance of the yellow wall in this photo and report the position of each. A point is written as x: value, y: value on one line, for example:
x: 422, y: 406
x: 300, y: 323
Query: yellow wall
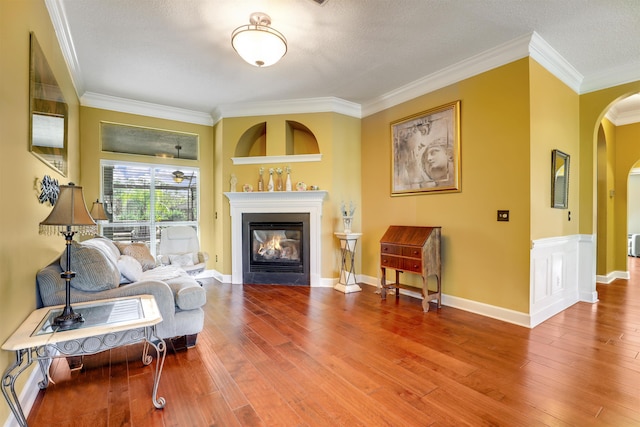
x: 509, y: 121
x: 23, y: 251
x: 593, y: 107
x: 554, y: 125
x: 606, y: 162
x: 338, y: 172
x: 627, y: 153
x: 91, y: 155
x: 495, y: 175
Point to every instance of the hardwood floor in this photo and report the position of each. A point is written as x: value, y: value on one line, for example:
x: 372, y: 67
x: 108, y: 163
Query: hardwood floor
x: 299, y: 356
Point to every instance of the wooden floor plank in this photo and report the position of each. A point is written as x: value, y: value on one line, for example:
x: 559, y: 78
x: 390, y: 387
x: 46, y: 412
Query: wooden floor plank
x: 300, y: 356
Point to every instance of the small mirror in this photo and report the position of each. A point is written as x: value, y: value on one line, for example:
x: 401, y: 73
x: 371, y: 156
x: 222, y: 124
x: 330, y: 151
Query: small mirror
x: 559, y: 179
x: 48, y: 112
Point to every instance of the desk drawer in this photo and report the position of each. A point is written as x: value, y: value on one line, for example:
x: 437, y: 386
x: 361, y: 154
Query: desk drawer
x: 413, y: 265
x: 390, y: 249
x: 390, y: 261
x: 412, y: 252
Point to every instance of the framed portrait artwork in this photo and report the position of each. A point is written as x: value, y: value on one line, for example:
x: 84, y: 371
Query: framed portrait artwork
x: 426, y: 152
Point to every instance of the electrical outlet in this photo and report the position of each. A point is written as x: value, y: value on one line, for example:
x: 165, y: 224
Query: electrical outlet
x: 503, y: 215
x: 216, y: 258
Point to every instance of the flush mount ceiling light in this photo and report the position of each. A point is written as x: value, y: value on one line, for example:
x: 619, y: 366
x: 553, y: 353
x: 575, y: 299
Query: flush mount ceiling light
x: 258, y: 43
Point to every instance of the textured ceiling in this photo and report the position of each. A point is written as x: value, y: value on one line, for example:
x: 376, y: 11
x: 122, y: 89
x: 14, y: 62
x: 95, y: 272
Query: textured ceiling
x: 177, y: 53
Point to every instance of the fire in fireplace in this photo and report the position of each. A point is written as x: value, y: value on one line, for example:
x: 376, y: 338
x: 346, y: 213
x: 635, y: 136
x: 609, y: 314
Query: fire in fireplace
x: 276, y: 248
x: 276, y: 245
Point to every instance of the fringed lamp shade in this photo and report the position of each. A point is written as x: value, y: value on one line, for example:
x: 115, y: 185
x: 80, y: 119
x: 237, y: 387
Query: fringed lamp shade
x: 69, y: 214
x: 68, y: 217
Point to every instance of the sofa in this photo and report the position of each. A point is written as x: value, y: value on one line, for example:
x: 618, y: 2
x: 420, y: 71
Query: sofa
x: 106, y: 269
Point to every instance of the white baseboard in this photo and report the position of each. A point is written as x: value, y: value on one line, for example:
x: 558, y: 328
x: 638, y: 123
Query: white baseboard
x: 612, y: 276
x: 499, y: 313
x: 28, y: 396
x: 215, y: 275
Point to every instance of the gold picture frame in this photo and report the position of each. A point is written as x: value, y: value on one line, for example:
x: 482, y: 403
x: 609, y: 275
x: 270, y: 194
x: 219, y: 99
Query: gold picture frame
x: 425, y: 151
x: 48, y: 112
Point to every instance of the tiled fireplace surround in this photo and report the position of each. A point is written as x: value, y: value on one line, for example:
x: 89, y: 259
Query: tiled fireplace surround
x: 277, y: 202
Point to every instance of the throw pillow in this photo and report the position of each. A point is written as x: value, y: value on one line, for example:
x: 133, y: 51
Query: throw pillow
x: 94, y: 270
x: 183, y: 260
x: 130, y: 268
x: 105, y: 245
x: 140, y: 252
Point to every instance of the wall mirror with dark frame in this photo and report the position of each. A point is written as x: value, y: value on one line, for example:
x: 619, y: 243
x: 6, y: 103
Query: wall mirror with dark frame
x: 48, y: 112
x: 559, y: 179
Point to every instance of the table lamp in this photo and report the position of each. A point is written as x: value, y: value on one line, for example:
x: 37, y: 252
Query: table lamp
x: 68, y: 217
x: 97, y: 211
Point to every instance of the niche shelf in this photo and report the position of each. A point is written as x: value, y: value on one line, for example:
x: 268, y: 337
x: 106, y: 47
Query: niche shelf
x: 301, y: 145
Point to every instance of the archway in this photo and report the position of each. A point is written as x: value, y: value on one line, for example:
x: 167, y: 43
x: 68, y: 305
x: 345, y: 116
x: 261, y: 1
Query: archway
x: 617, y: 150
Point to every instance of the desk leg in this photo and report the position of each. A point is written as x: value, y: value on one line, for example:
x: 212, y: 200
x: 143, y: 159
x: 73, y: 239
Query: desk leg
x: 161, y: 350
x: 9, y: 384
x: 383, y: 284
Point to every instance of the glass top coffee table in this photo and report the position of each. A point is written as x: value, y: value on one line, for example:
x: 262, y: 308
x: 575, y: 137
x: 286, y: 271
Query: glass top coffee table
x: 108, y: 324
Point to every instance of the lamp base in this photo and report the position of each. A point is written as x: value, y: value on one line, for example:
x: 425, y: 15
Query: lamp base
x: 67, y: 320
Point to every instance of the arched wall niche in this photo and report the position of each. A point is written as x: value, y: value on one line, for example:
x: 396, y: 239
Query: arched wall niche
x: 300, y: 140
x: 253, y: 141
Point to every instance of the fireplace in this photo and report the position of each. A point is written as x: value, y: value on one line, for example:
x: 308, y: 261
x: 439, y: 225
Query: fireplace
x: 275, y: 248
x: 265, y: 202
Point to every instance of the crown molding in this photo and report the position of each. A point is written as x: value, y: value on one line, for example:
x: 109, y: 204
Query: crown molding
x: 529, y: 45
x: 485, y: 61
x: 612, y: 77
x: 291, y: 106
x: 621, y: 118
x: 553, y: 62
x: 123, y: 105
x: 63, y: 34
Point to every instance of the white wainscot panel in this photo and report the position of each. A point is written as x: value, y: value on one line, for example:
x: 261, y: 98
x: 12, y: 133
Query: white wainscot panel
x: 554, y: 277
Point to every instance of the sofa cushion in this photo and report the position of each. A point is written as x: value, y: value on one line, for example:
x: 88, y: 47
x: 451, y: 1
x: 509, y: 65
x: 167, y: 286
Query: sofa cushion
x: 130, y: 268
x: 106, y: 246
x: 140, y: 252
x: 94, y: 270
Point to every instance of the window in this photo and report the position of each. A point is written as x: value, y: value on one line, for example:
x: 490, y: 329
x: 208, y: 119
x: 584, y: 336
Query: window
x: 141, y: 199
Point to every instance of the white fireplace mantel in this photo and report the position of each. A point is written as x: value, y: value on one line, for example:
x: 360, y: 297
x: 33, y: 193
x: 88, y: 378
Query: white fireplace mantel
x: 277, y: 202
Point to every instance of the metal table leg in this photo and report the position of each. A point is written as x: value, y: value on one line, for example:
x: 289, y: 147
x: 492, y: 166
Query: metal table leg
x: 161, y: 350
x: 9, y: 378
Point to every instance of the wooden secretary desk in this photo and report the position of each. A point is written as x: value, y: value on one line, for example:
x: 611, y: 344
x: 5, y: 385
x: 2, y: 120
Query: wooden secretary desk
x: 412, y: 250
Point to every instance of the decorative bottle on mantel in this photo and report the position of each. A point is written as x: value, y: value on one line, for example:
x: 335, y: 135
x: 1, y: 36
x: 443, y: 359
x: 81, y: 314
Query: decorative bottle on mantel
x: 260, y: 180
x: 270, y: 185
x: 288, y: 184
x: 279, y: 181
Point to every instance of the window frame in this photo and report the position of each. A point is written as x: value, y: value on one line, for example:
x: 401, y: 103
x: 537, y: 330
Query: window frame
x: 152, y: 224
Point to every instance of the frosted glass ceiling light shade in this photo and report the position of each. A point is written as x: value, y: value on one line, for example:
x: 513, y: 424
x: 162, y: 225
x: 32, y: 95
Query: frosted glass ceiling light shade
x: 258, y: 43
